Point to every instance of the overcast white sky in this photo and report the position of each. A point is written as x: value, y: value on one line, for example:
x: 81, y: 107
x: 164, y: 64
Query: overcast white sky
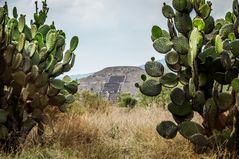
x: 111, y: 32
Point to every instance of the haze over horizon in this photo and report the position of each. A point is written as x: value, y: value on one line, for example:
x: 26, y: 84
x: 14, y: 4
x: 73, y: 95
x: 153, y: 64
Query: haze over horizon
x: 111, y: 32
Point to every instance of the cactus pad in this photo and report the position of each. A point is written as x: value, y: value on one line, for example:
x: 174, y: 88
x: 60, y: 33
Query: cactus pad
x: 167, y: 129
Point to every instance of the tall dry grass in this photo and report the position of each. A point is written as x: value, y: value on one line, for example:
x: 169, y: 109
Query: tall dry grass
x: 117, y: 133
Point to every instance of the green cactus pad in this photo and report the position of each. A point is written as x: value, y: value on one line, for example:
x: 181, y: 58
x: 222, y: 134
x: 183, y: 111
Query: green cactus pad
x: 19, y: 77
x: 169, y: 80
x: 51, y: 91
x: 33, y: 30
x: 208, y: 52
x: 154, y: 68
x: 71, y: 87
x: 177, y: 96
x: 60, y: 41
x: 28, y: 33
x: 44, y: 29
x: 189, y: 128
x: 59, y: 54
x: 40, y: 40
x: 67, y: 57
x: 57, y: 100
x: 210, y: 112
x: 172, y: 57
x: 43, y: 54
x: 167, y: 11
x: 225, y: 30
x: 225, y: 60
x: 199, y: 101
x: 3, y: 116
x: 74, y: 43
x: 67, y: 68
x: 225, y: 101
x: 51, y: 38
x: 204, y: 11
x: 21, y: 23
x: 199, y: 23
x: 151, y: 88
x: 183, y: 22
x: 70, y: 99
x: 183, y: 110
x: 175, y: 68
x: 14, y: 12
x: 21, y: 42
x: 3, y: 132
x: 58, y: 69
x: 220, y: 77
x: 235, y: 84
x: 231, y: 74
x: 17, y: 61
x: 189, y: 7
x: 167, y: 129
x: 41, y: 80
x: 34, y: 72
x: 209, y: 24
x: 199, y: 140
x: 50, y: 62
x: 162, y: 45
x: 181, y: 45
x: 179, y: 5
x: 234, y: 45
x: 8, y: 54
x: 192, y: 88
x: 57, y: 83
x: 67, y: 79
x: 180, y: 119
x: 63, y: 108
x: 36, y: 58
x: 156, y: 32
x: 31, y: 49
x: 184, y: 76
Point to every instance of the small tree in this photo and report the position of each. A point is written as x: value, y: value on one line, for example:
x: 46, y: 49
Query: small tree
x: 202, y: 54
x: 31, y: 59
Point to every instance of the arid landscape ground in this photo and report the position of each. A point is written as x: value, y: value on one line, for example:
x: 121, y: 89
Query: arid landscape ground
x: 112, y: 133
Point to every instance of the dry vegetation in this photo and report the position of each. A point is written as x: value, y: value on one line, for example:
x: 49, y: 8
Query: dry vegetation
x: 116, y: 133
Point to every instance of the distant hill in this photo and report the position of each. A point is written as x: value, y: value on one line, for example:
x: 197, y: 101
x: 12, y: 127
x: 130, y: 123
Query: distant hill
x: 96, y: 81
x: 80, y: 76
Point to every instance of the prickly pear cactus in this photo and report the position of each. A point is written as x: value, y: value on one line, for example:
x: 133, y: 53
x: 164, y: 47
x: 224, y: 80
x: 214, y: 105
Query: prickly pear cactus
x: 203, y: 56
x: 32, y: 57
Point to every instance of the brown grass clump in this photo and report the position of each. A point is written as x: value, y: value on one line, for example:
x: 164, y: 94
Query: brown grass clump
x: 117, y: 133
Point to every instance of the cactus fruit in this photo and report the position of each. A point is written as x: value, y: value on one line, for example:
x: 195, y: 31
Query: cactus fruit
x: 32, y: 58
x: 203, y: 56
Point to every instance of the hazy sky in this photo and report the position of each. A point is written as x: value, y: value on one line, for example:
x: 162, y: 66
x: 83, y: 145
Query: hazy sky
x: 111, y: 32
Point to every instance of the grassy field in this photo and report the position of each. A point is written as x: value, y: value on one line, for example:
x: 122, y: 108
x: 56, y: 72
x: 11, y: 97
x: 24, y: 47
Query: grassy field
x: 115, y: 133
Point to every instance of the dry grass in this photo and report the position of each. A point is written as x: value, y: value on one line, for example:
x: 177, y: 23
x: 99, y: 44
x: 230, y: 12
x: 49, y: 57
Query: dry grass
x: 118, y: 133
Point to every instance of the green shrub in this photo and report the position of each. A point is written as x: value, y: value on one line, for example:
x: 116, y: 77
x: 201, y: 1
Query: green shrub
x: 126, y: 100
x: 88, y: 101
